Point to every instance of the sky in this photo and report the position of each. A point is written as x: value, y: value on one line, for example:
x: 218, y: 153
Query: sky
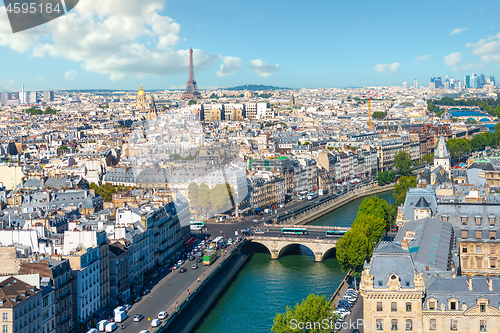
x: 122, y: 44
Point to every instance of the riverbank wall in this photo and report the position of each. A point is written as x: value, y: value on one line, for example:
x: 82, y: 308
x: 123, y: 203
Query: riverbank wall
x: 317, y: 211
x: 191, y: 311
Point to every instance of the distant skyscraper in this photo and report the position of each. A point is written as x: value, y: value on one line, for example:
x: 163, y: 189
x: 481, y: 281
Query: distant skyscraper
x: 415, y: 83
x: 48, y: 96
x: 473, y: 81
x: 191, y: 91
x: 405, y: 86
x: 438, y: 83
x: 492, y: 79
x: 33, y: 97
x: 22, y: 97
x: 467, y: 81
x: 481, y: 81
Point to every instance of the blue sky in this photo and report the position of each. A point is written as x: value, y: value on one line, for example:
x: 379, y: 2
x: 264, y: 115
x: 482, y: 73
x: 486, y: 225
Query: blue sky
x: 121, y: 44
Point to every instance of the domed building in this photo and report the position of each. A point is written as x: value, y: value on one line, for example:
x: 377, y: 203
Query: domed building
x: 446, y: 117
x: 145, y: 106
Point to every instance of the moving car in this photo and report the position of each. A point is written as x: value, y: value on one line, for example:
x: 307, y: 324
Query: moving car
x: 199, y: 259
x: 259, y: 232
x: 162, y: 315
x: 194, y: 266
x: 138, y: 317
x: 155, y: 322
x: 182, y: 270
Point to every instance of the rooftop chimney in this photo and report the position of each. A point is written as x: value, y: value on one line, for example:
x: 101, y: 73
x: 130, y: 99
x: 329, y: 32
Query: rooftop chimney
x: 489, y: 282
x: 469, y: 281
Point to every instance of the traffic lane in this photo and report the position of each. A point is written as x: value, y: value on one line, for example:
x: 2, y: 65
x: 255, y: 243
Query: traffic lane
x: 351, y: 322
x: 163, y: 296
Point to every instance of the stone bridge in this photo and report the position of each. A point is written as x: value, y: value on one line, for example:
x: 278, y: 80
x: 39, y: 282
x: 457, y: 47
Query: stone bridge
x: 480, y: 119
x: 276, y: 245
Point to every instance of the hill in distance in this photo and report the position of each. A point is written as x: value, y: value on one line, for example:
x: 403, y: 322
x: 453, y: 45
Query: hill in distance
x: 254, y: 87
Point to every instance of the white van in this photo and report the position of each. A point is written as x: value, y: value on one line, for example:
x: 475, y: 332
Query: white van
x: 119, y: 309
x: 93, y: 330
x: 101, y: 326
x: 110, y: 327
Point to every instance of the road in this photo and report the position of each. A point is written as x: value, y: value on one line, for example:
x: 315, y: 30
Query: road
x: 169, y: 290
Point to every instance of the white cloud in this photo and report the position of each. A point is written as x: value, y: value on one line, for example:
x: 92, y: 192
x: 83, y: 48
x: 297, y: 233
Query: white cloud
x: 453, y: 59
x: 387, y: 68
x: 422, y: 58
x: 112, y: 37
x: 229, y: 66
x: 7, y: 86
x: 70, y: 75
x: 488, y: 48
x: 467, y: 67
x: 457, y: 31
x: 263, y: 69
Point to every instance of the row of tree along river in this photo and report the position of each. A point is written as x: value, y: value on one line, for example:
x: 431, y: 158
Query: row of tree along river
x: 264, y: 287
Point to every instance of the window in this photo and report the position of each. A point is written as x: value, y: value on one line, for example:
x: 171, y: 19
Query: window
x: 379, y: 307
x: 380, y: 283
x: 432, y: 305
x: 453, y: 305
x: 409, y: 325
x: 478, y: 220
x: 453, y: 324
x: 493, y: 234
x: 492, y: 221
x: 394, y: 307
x: 445, y: 218
x: 465, y: 262
x: 478, y: 249
x: 478, y: 234
x: 464, y: 234
x: 394, y: 325
x: 479, y: 263
x: 493, y: 263
x: 464, y: 220
x: 432, y: 324
x: 464, y: 249
x: 5, y: 316
x: 492, y: 249
x: 408, y: 307
x: 482, y: 326
x: 482, y: 307
x: 5, y: 329
x: 379, y: 323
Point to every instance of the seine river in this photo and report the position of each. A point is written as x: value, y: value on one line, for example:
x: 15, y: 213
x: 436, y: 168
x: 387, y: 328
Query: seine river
x: 470, y: 113
x: 264, y: 287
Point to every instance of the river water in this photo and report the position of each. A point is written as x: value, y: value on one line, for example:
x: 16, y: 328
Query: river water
x: 264, y: 287
x: 470, y: 113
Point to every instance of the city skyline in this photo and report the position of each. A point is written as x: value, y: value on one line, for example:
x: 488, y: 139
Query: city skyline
x: 279, y: 44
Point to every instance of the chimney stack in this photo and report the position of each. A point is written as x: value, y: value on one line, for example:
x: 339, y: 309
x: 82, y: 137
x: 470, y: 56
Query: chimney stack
x: 489, y: 282
x: 469, y: 281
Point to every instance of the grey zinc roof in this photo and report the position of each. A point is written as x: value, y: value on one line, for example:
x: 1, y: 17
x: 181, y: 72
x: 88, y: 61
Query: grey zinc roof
x: 412, y: 197
x: 388, y: 259
x: 422, y: 203
x: 431, y: 244
x: 443, y: 289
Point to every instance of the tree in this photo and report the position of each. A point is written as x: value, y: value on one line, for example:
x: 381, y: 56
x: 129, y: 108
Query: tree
x: 383, y: 178
x: 313, y: 309
x: 203, y: 199
x: 193, y: 194
x: 378, y: 208
x: 379, y: 115
x: 471, y: 121
x: 192, y: 102
x: 400, y: 189
x: 478, y: 143
x: 428, y: 158
x: 175, y: 156
x: 352, y: 250
x: 402, y: 162
x: 392, y: 176
x: 372, y: 227
x: 219, y: 198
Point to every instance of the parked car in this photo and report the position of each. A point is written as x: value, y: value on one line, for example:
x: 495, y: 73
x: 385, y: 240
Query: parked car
x: 137, y: 299
x: 180, y: 262
x: 145, y: 292
x: 199, y: 259
x: 182, y: 270
x: 162, y: 315
x: 259, y: 232
x: 138, y: 317
x: 155, y: 322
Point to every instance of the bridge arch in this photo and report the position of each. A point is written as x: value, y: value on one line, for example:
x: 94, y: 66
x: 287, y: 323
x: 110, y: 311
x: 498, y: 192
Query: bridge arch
x: 484, y: 120
x: 277, y: 246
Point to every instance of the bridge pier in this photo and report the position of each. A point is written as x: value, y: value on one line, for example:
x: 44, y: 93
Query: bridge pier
x: 318, y: 256
x: 275, y: 255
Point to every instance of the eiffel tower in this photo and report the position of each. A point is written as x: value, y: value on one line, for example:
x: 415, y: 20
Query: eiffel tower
x: 191, y: 91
